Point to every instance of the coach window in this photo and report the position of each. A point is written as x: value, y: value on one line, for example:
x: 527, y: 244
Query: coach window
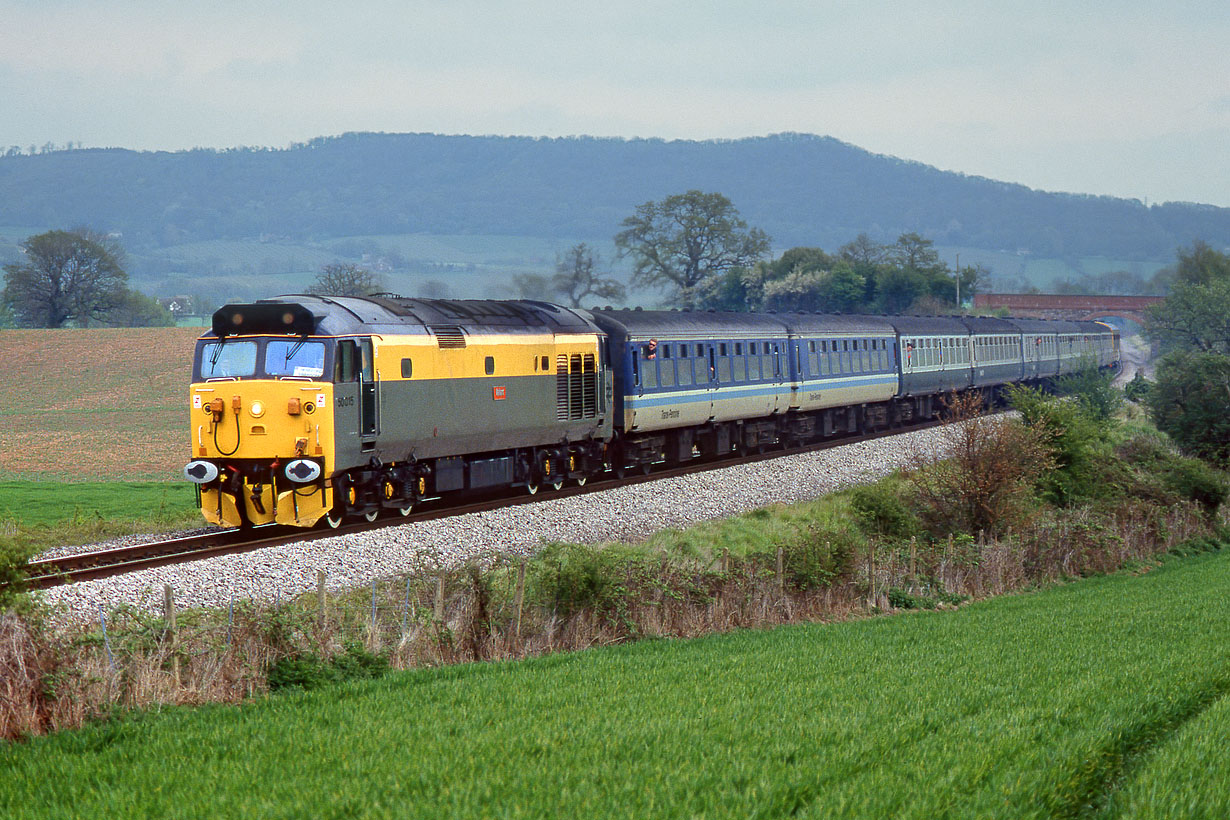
x: 489, y: 365
x: 753, y: 363
x: 666, y: 371
x: 407, y: 368
x: 666, y: 351
x: 685, y: 368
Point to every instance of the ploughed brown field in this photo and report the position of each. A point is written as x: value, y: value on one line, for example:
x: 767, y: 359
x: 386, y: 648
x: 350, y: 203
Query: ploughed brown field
x: 95, y: 404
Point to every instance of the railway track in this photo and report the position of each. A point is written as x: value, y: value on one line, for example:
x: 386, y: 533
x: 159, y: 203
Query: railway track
x: 87, y: 566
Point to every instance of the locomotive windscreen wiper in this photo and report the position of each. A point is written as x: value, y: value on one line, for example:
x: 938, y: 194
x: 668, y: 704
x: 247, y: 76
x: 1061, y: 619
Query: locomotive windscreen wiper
x: 290, y: 354
x: 213, y: 360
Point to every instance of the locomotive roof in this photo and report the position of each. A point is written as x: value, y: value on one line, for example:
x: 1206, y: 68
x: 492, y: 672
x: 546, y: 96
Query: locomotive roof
x: 347, y: 315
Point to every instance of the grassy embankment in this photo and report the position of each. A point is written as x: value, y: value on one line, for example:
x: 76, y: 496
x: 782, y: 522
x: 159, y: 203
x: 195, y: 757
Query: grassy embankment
x: 89, y: 419
x: 1075, y: 701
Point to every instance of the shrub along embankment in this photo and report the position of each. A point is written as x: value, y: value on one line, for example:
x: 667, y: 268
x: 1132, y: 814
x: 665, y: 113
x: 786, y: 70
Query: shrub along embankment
x: 1015, y: 507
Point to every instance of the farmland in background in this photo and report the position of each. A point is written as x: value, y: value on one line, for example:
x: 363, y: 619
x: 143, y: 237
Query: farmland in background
x: 1082, y: 700
x: 95, y: 404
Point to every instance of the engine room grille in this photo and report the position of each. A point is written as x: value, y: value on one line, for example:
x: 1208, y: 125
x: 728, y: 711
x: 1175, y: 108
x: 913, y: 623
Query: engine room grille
x: 448, y: 336
x: 576, y: 386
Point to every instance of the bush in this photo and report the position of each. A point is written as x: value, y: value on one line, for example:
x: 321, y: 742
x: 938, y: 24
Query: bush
x: 1137, y: 390
x: 568, y: 578
x: 1197, y: 481
x: 881, y: 510
x: 1077, y: 439
x: 1191, y: 403
x: 13, y: 558
x: 1094, y: 389
x: 987, y: 485
x: 815, y: 560
x: 308, y: 671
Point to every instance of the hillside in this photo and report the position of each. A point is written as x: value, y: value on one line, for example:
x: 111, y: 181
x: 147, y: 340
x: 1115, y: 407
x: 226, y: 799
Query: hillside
x: 801, y: 189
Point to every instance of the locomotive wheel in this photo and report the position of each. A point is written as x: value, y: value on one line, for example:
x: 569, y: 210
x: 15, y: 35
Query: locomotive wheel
x: 371, y: 515
x: 557, y: 482
x: 333, y: 519
x: 406, y: 509
x: 581, y: 480
x: 531, y: 488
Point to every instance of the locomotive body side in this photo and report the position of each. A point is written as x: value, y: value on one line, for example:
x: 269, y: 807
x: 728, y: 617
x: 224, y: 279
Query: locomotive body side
x: 401, y: 400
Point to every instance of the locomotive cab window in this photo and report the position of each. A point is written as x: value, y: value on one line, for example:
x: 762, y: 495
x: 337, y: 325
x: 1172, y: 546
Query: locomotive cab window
x: 298, y: 358
x: 228, y: 360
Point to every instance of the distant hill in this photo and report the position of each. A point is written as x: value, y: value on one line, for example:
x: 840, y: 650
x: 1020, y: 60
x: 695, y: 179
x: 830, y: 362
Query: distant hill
x: 801, y: 189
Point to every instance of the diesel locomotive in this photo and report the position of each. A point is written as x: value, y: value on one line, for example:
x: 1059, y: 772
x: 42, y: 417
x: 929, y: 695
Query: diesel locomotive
x: 307, y: 408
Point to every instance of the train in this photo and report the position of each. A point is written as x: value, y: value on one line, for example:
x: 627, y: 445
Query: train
x: 309, y: 410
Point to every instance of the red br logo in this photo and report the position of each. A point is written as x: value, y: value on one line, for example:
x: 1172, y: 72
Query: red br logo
x: 498, y: 393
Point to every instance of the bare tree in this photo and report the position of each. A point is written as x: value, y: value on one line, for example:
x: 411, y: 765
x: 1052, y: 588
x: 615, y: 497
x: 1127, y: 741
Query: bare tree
x: 575, y: 278
x: 345, y: 279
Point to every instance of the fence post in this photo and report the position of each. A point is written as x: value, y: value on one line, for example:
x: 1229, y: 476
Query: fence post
x: 102, y: 618
x: 781, y: 570
x: 372, y: 631
x: 914, y: 562
x: 405, y: 610
x: 519, y: 597
x: 440, y: 599
x: 871, y: 575
x: 321, y: 575
x: 168, y: 614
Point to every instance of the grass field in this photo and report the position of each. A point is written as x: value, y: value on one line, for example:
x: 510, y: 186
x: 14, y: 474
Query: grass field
x: 1089, y: 700
x: 49, y: 504
x: 91, y: 405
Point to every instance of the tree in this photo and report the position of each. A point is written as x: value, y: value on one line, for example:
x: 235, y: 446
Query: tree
x: 75, y: 275
x: 575, y: 278
x: 136, y: 309
x: 686, y: 239
x: 1195, y: 315
x: 915, y: 253
x: 1191, y: 403
x: 863, y: 251
x: 345, y: 279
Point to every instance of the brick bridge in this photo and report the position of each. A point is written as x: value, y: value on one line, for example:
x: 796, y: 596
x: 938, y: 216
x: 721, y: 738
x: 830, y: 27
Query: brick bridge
x: 1053, y: 306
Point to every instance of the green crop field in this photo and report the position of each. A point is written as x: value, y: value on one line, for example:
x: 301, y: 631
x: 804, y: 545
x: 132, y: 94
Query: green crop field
x: 1103, y: 698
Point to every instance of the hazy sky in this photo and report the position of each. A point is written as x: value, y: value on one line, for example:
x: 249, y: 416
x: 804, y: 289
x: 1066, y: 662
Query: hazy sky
x: 1127, y: 98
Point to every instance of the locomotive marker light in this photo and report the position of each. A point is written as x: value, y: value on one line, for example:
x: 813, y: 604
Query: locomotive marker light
x: 257, y: 409
x: 302, y: 471
x: 200, y: 472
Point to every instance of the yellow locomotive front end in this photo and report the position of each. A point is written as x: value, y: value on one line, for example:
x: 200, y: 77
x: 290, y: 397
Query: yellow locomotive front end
x: 262, y: 421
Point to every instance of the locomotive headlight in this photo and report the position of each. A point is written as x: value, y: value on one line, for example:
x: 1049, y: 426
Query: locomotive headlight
x: 257, y: 409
